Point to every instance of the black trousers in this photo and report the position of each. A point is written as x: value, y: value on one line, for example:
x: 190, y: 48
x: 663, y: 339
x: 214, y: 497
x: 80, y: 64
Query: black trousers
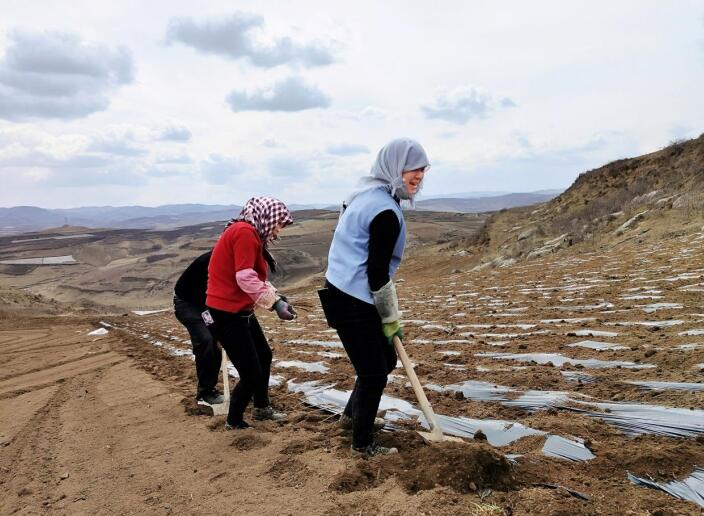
x: 205, y: 349
x: 247, y: 348
x: 359, y: 327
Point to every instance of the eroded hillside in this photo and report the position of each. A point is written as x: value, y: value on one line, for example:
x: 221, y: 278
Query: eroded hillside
x: 648, y: 198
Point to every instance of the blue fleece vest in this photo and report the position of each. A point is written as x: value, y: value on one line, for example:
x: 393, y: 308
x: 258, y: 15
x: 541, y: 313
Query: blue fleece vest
x: 349, y: 251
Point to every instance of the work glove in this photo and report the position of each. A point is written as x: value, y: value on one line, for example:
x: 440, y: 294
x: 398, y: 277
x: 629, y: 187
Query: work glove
x: 391, y: 330
x: 284, y: 310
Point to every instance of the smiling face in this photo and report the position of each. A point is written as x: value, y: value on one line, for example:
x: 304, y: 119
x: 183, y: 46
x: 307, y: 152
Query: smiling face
x: 412, y: 180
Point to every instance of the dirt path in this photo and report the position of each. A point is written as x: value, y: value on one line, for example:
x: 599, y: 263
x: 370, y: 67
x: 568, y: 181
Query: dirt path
x: 97, y: 434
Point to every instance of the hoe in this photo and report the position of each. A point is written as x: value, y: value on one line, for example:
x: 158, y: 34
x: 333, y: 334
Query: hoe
x: 435, y: 435
x: 221, y: 409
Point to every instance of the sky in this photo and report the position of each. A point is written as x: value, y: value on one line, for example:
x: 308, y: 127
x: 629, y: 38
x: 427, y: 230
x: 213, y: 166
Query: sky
x: 161, y: 102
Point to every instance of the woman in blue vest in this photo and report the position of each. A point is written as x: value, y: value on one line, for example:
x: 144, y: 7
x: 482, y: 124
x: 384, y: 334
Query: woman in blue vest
x: 359, y: 298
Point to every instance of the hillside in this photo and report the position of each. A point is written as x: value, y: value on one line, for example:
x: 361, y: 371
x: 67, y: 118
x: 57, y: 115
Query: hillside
x: 648, y: 198
x: 22, y: 219
x: 137, y: 268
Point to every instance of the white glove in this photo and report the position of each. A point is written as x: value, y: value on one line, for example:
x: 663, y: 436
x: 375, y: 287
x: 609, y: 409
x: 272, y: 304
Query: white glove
x: 386, y: 302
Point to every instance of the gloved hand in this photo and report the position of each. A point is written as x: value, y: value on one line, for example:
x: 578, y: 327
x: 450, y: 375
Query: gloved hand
x: 284, y: 310
x: 392, y: 329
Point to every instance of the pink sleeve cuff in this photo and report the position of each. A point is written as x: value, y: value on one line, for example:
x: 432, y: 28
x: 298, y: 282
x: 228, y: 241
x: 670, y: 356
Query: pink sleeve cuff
x: 262, y: 293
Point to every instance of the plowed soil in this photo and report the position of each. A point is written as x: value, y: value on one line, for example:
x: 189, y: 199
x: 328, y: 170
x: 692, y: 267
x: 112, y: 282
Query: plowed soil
x: 108, y: 424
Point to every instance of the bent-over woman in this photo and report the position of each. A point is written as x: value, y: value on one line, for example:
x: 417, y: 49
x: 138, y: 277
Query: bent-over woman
x: 237, y: 283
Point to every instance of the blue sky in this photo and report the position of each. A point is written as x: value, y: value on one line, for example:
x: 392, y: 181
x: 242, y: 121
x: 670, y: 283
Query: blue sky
x: 161, y: 102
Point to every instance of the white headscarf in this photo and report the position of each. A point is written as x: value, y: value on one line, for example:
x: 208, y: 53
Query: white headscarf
x: 395, y: 158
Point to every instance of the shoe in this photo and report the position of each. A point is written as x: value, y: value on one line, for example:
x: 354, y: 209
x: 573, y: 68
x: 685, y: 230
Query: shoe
x: 213, y: 397
x: 347, y: 423
x: 373, y: 450
x: 261, y: 414
x: 237, y: 426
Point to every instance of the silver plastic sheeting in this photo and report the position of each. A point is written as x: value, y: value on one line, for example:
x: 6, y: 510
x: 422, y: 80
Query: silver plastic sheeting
x: 577, y: 377
x: 498, y: 432
x: 637, y: 419
x: 668, y: 386
x: 691, y: 488
x: 569, y: 449
x: 558, y: 360
x: 480, y: 391
x: 598, y: 346
x: 540, y: 400
x: 631, y: 418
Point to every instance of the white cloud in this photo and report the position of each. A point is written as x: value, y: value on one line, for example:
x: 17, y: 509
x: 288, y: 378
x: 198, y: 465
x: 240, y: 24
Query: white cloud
x: 118, y: 145
x: 235, y: 37
x: 58, y: 75
x: 291, y: 94
x: 387, y: 75
x: 347, y: 149
x: 220, y: 170
x: 40, y: 159
x: 178, y: 159
x: 87, y: 177
x: 464, y: 104
x: 289, y: 167
x: 174, y: 133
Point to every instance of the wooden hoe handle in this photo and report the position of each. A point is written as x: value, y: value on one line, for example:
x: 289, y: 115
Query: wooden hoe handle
x: 435, y: 430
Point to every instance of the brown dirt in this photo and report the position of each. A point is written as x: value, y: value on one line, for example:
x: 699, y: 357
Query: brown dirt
x: 117, y: 413
x: 249, y: 441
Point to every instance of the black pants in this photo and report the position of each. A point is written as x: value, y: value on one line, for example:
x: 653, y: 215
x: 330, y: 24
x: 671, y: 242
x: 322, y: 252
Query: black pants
x: 359, y: 327
x: 205, y: 349
x: 247, y: 348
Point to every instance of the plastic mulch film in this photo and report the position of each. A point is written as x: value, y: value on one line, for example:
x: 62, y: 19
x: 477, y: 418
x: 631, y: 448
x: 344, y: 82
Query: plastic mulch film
x: 569, y: 449
x: 498, y: 432
x: 668, y: 386
x: 636, y: 419
x: 691, y: 488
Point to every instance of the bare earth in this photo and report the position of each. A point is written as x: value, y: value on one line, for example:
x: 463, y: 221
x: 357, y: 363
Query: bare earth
x: 107, y: 424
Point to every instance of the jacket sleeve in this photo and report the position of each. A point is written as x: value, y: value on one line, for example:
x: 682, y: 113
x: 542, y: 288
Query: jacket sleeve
x: 246, y: 251
x: 384, y: 231
x: 262, y: 293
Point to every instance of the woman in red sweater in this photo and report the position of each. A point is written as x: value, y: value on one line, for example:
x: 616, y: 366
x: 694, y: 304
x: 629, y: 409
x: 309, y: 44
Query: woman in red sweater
x: 237, y: 283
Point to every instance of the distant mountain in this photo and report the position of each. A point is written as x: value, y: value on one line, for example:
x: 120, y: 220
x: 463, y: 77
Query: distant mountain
x: 23, y: 219
x: 484, y: 204
x: 467, y: 195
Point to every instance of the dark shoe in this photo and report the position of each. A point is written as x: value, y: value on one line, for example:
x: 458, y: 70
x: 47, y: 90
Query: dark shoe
x: 214, y: 397
x: 267, y: 413
x: 347, y: 423
x: 237, y: 426
x: 373, y: 450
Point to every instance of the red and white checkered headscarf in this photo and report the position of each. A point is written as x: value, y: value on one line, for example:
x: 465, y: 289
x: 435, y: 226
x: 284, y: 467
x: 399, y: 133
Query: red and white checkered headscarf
x: 264, y: 213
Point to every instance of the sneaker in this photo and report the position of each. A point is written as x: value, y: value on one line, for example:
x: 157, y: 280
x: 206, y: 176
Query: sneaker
x: 237, y: 426
x: 347, y: 423
x: 260, y: 414
x: 213, y: 397
x: 372, y: 450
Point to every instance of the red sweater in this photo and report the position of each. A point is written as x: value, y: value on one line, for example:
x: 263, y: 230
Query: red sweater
x: 238, y: 248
